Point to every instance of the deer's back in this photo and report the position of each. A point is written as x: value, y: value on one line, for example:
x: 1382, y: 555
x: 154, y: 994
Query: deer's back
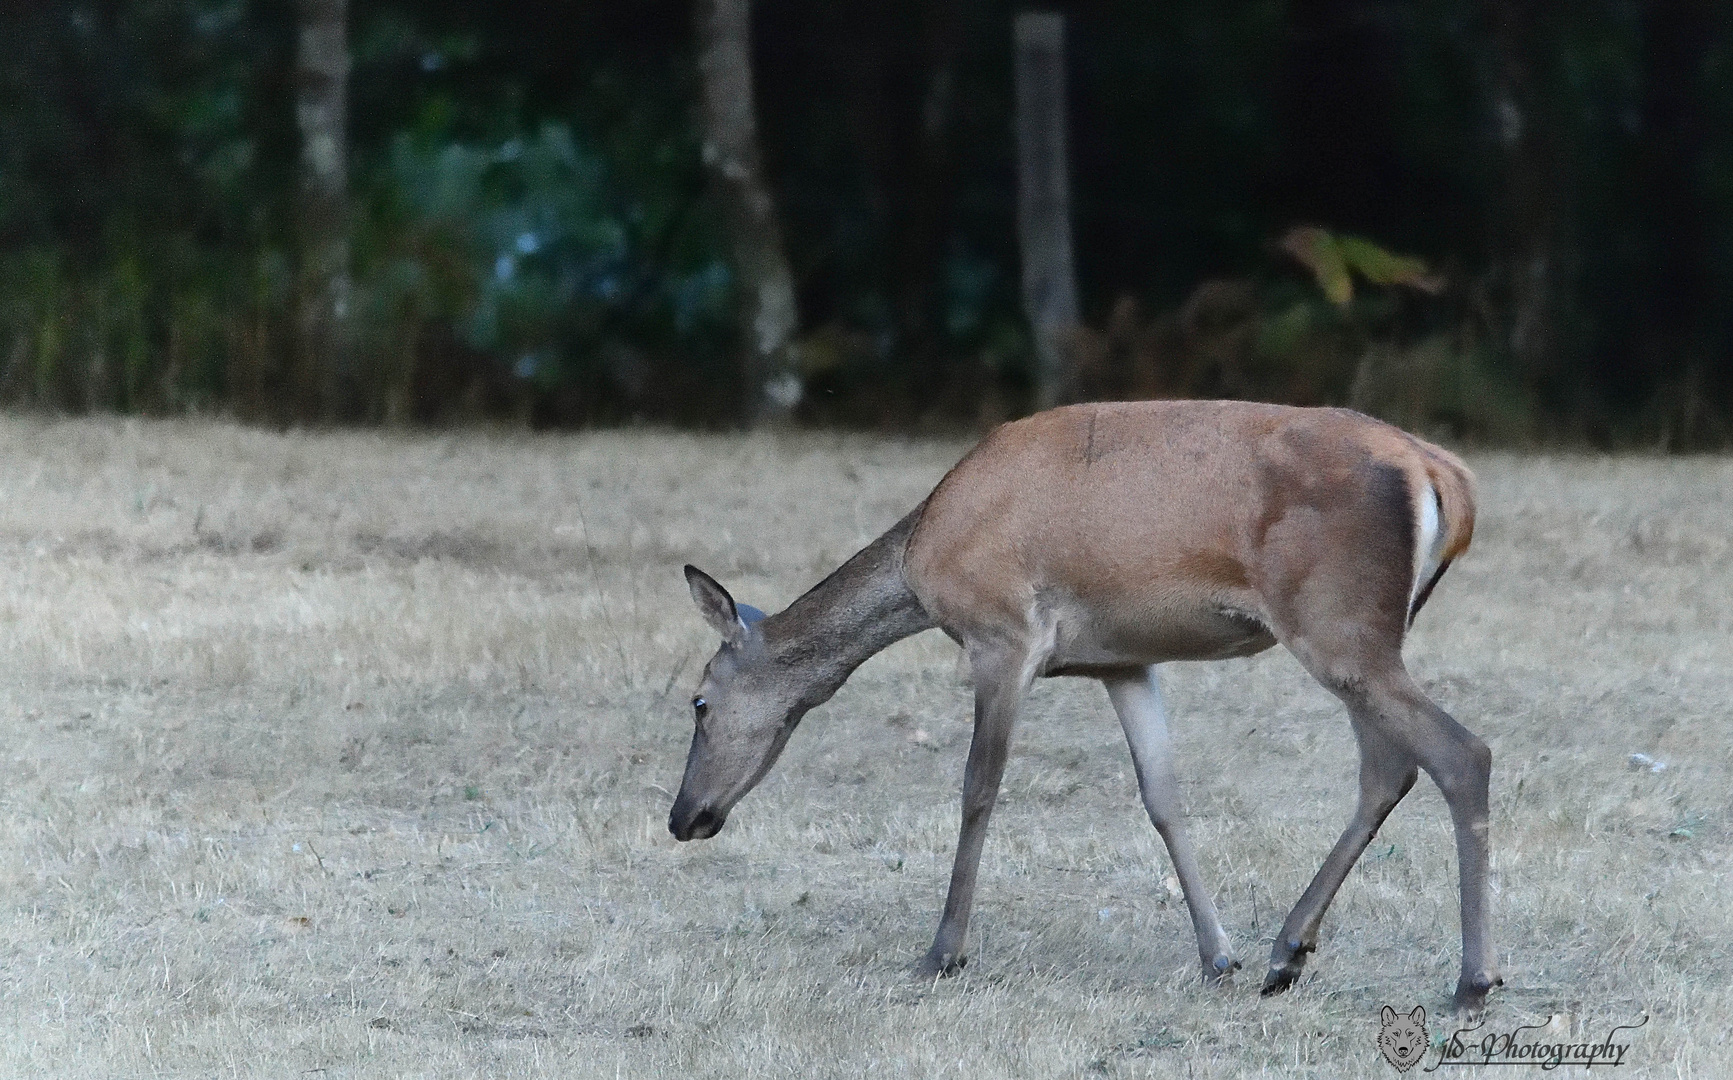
x: 1144, y: 531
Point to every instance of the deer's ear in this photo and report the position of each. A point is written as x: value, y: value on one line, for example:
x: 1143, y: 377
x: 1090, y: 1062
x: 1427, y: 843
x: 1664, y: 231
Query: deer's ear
x: 715, y: 605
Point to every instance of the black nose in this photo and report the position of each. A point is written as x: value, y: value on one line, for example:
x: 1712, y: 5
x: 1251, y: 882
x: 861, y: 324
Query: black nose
x: 701, y: 826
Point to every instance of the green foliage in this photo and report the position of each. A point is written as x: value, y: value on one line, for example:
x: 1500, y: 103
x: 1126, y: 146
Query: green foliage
x: 527, y: 249
x: 1276, y: 339
x: 500, y: 260
x: 1438, y: 385
x: 530, y: 237
x: 1331, y: 257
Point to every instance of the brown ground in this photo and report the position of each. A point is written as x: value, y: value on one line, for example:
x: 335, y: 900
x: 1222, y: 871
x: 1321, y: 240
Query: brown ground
x: 350, y: 755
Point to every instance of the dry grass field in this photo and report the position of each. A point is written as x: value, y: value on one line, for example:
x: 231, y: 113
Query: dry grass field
x: 350, y: 756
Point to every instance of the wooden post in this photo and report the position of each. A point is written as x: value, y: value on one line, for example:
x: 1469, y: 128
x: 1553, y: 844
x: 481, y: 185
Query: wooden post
x: 768, y: 316
x: 1044, y: 200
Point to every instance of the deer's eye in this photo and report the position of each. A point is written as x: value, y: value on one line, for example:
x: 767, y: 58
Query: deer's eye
x: 700, y: 707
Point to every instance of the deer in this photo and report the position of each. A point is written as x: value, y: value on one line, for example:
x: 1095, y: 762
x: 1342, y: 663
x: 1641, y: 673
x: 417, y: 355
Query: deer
x: 1101, y: 540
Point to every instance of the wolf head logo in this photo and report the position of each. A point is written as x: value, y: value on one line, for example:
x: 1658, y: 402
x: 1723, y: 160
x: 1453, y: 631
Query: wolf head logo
x: 1402, y: 1039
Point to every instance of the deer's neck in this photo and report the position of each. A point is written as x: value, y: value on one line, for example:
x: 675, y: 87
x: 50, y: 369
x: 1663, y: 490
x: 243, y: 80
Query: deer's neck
x: 861, y: 608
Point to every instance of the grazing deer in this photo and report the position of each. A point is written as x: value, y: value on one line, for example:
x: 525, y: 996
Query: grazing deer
x: 1101, y: 540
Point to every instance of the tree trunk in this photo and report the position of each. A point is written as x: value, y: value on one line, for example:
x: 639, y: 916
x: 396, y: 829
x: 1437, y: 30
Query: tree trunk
x: 1531, y: 250
x: 323, y: 376
x: 896, y: 66
x: 928, y: 181
x: 1044, y: 200
x: 763, y: 284
x: 1674, y: 291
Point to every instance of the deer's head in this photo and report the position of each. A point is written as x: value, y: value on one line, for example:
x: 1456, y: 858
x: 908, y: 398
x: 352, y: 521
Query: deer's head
x: 743, y: 713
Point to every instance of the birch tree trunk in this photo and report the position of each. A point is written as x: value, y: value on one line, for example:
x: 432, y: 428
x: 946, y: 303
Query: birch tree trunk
x: 1044, y: 200
x: 322, y: 364
x: 763, y: 284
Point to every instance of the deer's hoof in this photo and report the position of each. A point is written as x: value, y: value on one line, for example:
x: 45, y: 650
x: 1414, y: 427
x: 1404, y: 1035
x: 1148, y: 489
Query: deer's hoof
x: 1219, y: 971
x: 1287, y: 960
x: 1471, y: 991
x: 1279, y: 979
x: 936, y: 965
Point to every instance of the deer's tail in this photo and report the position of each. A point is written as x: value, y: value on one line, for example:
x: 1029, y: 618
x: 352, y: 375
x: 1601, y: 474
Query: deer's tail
x: 1444, y: 520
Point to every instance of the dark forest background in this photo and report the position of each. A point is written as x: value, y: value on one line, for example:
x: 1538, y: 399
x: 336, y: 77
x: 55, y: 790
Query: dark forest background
x: 523, y: 227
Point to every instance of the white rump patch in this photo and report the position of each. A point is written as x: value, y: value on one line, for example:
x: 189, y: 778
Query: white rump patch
x: 1428, y: 542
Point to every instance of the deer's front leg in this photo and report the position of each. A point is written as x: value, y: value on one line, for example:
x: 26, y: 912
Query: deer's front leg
x: 1000, y: 682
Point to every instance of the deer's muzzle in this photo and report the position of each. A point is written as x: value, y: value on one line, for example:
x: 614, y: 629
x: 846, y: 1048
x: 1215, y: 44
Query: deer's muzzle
x: 702, y: 824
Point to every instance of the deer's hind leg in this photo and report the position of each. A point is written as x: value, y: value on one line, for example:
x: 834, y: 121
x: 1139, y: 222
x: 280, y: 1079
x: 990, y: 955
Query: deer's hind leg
x: 1400, y: 729
x: 1338, y: 586
x: 1137, y: 700
x: 1386, y: 774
